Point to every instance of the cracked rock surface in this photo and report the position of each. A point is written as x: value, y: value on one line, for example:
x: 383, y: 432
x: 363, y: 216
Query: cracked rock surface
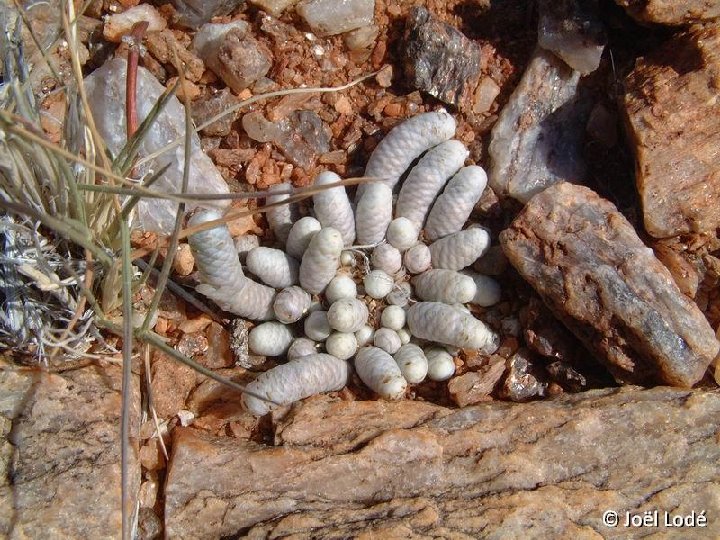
x: 592, y: 270
x: 411, y: 469
x: 61, y: 453
x: 671, y: 12
x: 673, y: 118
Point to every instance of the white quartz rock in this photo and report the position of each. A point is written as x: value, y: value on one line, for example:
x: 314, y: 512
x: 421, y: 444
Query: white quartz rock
x: 105, y: 89
x: 330, y: 17
x: 547, y: 148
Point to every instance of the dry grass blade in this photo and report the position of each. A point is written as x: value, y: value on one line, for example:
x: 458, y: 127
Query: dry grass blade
x: 127, y: 336
x: 180, y: 214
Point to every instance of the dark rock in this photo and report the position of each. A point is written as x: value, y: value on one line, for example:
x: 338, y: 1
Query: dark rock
x: 194, y: 13
x: 671, y: 12
x: 204, y: 109
x: 566, y: 376
x: 673, y: 118
x: 590, y: 268
x: 63, y: 476
x: 440, y: 60
x: 521, y: 383
x: 538, y: 138
x: 414, y: 470
x: 544, y: 334
x: 572, y: 29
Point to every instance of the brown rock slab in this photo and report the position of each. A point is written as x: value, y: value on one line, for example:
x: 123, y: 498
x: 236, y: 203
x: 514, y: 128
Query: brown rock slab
x: 63, y: 478
x: 673, y: 119
x: 590, y: 268
x: 440, y: 60
x: 476, y: 386
x: 671, y: 12
x: 492, y: 470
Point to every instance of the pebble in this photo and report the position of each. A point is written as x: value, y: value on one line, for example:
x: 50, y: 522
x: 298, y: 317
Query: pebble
x: 573, y: 31
x: 330, y: 17
x: 233, y: 54
x: 476, y: 386
x: 120, y: 24
x: 274, y: 7
x: 521, y: 384
x: 204, y: 109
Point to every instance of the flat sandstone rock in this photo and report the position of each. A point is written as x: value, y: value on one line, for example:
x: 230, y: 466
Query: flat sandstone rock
x: 589, y: 266
x: 671, y: 12
x: 62, y: 454
x: 673, y: 117
x: 495, y: 470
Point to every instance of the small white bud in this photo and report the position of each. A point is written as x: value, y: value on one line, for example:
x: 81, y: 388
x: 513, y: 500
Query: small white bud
x: 379, y: 371
x: 347, y: 258
x: 412, y: 363
x: 347, y: 315
x: 393, y: 317
x: 417, y: 259
x: 402, y: 233
x: 341, y: 286
x: 365, y: 335
x: 316, y: 326
x: 301, y: 347
x: 341, y: 345
x: 400, y: 294
x: 441, y: 365
x: 387, y: 340
x: 378, y: 284
x: 270, y: 339
x: 386, y: 258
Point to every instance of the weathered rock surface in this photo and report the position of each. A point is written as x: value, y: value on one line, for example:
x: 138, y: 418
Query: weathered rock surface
x: 537, y: 140
x: 414, y: 470
x: 589, y: 266
x: 673, y: 118
x: 440, y: 60
x: 671, y: 12
x: 61, y: 453
x: 573, y: 31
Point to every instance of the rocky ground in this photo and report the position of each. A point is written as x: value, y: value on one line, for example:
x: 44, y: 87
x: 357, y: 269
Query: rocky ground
x: 611, y: 284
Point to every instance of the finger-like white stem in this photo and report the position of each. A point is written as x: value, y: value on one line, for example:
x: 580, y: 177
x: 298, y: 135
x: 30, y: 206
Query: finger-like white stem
x: 296, y: 380
x: 427, y: 179
x: 379, y: 371
x: 442, y: 323
x: 332, y: 207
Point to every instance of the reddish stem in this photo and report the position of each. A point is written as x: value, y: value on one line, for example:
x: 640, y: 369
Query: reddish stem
x: 136, y: 33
